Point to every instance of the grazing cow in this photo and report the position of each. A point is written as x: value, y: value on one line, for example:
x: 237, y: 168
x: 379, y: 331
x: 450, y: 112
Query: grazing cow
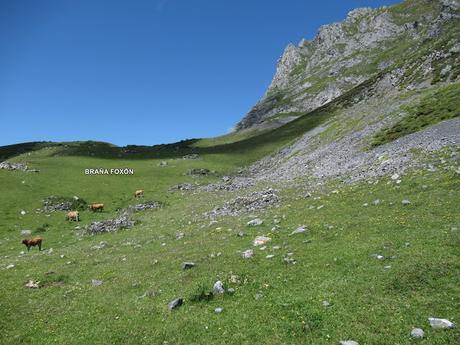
x: 73, y: 215
x: 139, y: 193
x: 96, y: 207
x: 36, y: 241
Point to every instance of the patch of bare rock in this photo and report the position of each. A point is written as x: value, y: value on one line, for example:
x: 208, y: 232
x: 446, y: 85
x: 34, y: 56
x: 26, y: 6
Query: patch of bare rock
x: 254, y: 201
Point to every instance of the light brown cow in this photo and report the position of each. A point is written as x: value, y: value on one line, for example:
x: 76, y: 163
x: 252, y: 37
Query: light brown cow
x: 36, y: 241
x: 139, y: 193
x: 73, y: 215
x: 96, y: 207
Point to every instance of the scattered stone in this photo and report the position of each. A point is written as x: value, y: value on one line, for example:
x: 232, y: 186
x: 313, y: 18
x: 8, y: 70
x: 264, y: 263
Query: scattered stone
x: 124, y: 221
x: 260, y: 240
x: 23, y: 212
x: 348, y: 342
x: 440, y: 323
x: 231, y: 291
x: 218, y: 310
x: 187, y: 265
x: 365, y: 204
x: 376, y: 202
x: 218, y: 287
x: 241, y: 234
x: 148, y: 205
x: 182, y: 186
x: 101, y: 245
x: 10, y: 266
x: 417, y: 333
x: 394, y: 176
x: 259, y: 296
x: 175, y: 303
x: 180, y: 235
x: 326, y: 304
x: 255, y: 222
x: 15, y: 166
x: 320, y: 207
x: 96, y: 282
x: 247, y: 254
x: 26, y: 232
x: 252, y: 202
x: 32, y: 284
x: 269, y: 256
x: 191, y: 156
x: 199, y: 172
x: 405, y: 202
x: 162, y: 164
x: 289, y: 260
x: 299, y: 230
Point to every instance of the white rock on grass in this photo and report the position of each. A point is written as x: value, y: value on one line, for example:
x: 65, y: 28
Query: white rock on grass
x: 96, y: 282
x: 299, y: 230
x: 348, y: 342
x: 10, y: 266
x: 394, y: 176
x: 218, y: 310
x: 405, y: 202
x: 218, y: 287
x: 26, y: 232
x: 247, y: 254
x: 440, y: 323
x: 32, y: 284
x: 417, y: 333
x: 260, y: 240
x: 255, y: 222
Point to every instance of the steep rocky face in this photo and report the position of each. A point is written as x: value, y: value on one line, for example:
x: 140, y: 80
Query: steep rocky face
x: 367, y: 42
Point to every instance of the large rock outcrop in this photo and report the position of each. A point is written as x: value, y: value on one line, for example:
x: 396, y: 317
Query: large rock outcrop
x: 343, y: 55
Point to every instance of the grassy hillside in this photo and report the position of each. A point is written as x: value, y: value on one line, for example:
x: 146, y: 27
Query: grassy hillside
x: 369, y: 301
x: 278, y: 300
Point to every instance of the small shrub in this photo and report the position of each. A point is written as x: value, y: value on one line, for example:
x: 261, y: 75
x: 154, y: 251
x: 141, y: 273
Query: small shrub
x: 202, y: 293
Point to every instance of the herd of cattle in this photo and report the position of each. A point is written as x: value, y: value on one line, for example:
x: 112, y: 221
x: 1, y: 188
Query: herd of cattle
x: 73, y: 216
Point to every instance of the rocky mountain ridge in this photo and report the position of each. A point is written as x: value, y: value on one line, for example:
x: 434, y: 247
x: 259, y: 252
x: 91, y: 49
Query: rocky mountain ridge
x: 394, y: 40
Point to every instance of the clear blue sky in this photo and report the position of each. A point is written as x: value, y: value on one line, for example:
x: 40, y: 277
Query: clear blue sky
x: 144, y: 71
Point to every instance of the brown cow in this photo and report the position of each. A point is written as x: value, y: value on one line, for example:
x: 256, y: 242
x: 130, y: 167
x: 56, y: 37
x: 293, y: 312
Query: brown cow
x: 96, y: 207
x: 139, y: 193
x: 73, y: 215
x: 36, y: 241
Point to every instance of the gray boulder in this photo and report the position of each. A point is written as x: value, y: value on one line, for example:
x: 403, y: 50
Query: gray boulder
x: 417, y: 333
x: 218, y: 287
x: 187, y: 265
x: 176, y: 303
x: 440, y: 323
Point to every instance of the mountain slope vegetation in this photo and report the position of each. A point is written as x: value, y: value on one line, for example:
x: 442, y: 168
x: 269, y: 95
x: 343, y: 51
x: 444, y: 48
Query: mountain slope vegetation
x: 339, y: 222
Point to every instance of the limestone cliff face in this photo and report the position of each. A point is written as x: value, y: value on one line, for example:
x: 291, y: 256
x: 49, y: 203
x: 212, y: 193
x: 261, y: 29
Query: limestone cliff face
x: 343, y: 55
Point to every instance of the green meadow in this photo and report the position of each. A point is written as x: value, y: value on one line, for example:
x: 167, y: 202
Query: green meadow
x: 277, y: 300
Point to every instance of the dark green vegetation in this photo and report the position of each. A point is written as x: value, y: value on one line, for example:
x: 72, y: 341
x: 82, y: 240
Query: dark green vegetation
x: 438, y: 106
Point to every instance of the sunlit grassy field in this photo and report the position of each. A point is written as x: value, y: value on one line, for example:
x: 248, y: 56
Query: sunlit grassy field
x: 372, y: 301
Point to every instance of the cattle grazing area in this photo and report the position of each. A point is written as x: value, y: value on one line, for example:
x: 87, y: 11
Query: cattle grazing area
x: 266, y: 263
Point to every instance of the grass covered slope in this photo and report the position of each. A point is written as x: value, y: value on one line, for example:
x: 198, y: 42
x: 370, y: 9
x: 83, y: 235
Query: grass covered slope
x: 443, y: 104
x: 140, y: 268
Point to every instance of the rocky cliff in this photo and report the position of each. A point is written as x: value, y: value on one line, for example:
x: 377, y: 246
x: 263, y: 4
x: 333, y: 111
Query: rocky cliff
x: 412, y: 43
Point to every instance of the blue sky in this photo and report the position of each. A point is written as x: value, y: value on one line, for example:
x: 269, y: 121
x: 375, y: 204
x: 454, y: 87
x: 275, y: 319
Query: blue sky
x: 145, y: 71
